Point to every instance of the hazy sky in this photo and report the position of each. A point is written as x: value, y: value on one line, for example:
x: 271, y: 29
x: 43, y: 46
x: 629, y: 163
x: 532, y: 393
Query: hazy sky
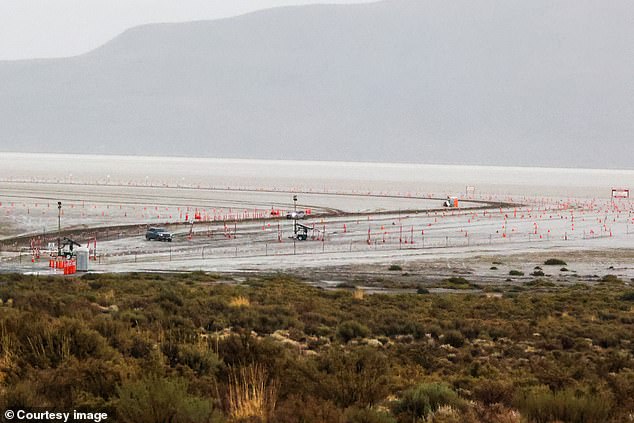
x: 55, y: 28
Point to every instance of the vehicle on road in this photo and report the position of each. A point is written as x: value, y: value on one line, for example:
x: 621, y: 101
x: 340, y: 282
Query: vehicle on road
x: 450, y: 202
x: 296, y: 215
x: 158, y: 234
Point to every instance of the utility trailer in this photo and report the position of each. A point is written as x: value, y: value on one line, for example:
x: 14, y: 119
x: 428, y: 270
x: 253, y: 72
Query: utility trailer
x: 301, y: 232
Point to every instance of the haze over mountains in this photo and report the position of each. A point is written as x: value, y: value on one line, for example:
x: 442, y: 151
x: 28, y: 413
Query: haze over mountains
x: 511, y: 82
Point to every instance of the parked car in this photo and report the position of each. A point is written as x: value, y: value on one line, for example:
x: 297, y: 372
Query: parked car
x: 158, y: 234
x: 296, y: 215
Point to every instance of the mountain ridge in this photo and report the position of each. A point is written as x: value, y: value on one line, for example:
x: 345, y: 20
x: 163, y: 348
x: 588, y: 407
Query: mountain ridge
x: 405, y: 81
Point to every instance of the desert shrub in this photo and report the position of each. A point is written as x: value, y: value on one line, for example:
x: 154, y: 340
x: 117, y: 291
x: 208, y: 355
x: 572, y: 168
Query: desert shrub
x: 170, y: 299
x: 454, y: 338
x: 22, y: 396
x: 448, y: 414
x: 199, y: 357
x: 555, y: 262
x: 396, y: 322
x: 155, y: 399
x: 493, y: 268
x: 607, y: 340
x: 496, y: 413
x: 365, y: 415
x: 395, y: 267
x: 51, y: 343
x: 359, y: 377
x: 541, y: 405
x: 567, y: 342
x: 419, y: 402
x: 237, y: 350
x: 458, y: 282
x: 611, y: 279
x: 352, y: 329
x: 268, y: 319
x: 490, y: 392
x: 314, y: 318
x: 80, y: 384
x: 422, y: 291
x: 540, y: 283
x: 302, y: 409
x: 537, y: 273
x: 516, y: 273
x: 622, y: 386
x: 628, y: 296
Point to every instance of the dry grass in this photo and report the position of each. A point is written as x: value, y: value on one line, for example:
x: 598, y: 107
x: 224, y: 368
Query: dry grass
x: 7, y: 355
x: 250, y: 393
x: 358, y: 294
x: 497, y: 413
x: 106, y: 298
x: 240, y: 301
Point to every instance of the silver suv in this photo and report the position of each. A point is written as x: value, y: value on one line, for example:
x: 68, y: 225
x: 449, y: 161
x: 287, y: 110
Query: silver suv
x: 296, y: 215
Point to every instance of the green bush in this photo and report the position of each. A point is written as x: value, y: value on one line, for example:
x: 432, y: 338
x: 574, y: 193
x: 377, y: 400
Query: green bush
x: 419, y: 402
x: 628, y: 296
x: 357, y: 378
x: 454, y: 338
x: 395, y: 267
x: 458, y: 282
x: 352, y: 329
x: 541, y: 405
x: 364, y: 415
x: 611, y: 279
x: 516, y: 273
x: 156, y: 399
x: 200, y: 358
x: 491, y: 392
x: 555, y: 262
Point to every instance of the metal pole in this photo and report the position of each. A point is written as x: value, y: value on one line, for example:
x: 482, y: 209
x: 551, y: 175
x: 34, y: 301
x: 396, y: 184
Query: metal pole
x: 294, y: 216
x: 59, y: 228
x: 323, y: 240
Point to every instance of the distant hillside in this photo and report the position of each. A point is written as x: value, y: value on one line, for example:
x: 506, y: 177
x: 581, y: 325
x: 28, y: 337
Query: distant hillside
x: 509, y: 82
